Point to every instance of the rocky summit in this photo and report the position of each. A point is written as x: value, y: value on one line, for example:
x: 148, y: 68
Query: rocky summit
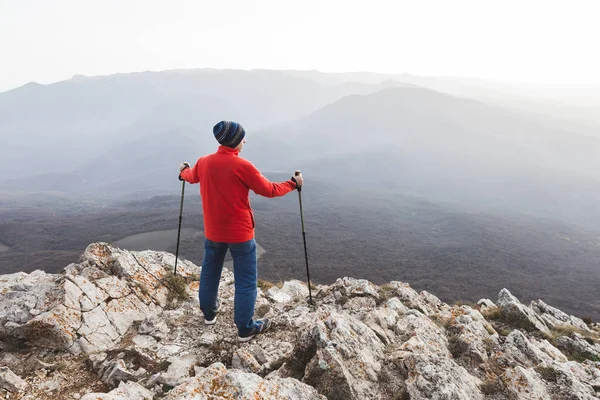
x: 120, y: 325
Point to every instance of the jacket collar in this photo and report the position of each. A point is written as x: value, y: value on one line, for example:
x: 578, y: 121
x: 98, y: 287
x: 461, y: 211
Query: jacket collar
x: 227, y: 150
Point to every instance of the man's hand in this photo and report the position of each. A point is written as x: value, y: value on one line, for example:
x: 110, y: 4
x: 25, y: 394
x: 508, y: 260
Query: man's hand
x: 298, y: 179
x: 183, y: 166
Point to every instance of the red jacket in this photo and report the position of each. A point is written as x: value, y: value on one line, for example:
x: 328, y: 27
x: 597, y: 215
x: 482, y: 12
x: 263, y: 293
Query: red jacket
x: 225, y: 181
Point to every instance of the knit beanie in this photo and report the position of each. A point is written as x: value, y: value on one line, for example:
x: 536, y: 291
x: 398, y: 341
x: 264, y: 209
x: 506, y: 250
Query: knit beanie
x: 229, y: 133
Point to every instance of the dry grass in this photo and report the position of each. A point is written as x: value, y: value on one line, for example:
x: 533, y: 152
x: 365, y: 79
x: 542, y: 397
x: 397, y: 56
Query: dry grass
x: 177, y: 286
x: 548, y: 374
x: 492, y: 313
x: 461, y: 302
x: 386, y: 292
x: 265, y: 285
x: 442, y: 322
x: 491, y: 387
x: 563, y: 330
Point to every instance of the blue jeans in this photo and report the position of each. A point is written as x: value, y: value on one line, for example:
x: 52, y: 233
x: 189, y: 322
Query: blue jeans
x: 245, y: 274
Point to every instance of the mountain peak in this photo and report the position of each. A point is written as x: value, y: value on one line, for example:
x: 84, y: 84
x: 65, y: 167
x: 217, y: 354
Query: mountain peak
x: 120, y: 321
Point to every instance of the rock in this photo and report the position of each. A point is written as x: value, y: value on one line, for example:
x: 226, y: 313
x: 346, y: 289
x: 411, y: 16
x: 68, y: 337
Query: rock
x: 424, y: 302
x: 512, y: 308
x: 88, y: 294
x: 116, y: 288
x: 382, y: 321
x: 278, y: 295
x: 168, y: 350
x: 11, y: 382
x: 90, y: 273
x: 125, y: 391
x: 586, y: 373
x: 359, y: 303
x: 208, y: 338
x: 528, y: 351
x: 179, y: 370
x: 360, y: 341
x: 145, y: 342
x: 485, y: 303
x: 350, y: 287
x: 116, y: 371
x: 525, y: 384
x: 430, y: 301
x: 97, y: 333
x: 9, y: 359
x: 419, y: 335
x: 88, y: 308
x: 395, y: 304
x: 51, y: 385
x: 578, y: 347
x: 556, y: 319
x: 125, y: 311
x: 22, y: 295
x: 216, y: 381
x: 262, y: 355
x: 432, y: 376
x: 245, y: 361
x: 471, y: 336
x: 347, y: 357
x: 145, y: 268
x: 154, y: 325
x: 571, y: 380
x: 291, y: 291
x: 297, y: 290
x: 54, y: 329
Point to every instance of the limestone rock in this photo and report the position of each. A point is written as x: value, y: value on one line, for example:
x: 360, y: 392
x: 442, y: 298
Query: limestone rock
x: 217, y: 382
x: 105, y: 321
x: 528, y: 351
x: 432, y: 376
x: 125, y: 391
x: 419, y: 335
x: 291, y: 291
x: 555, y: 318
x: 471, y: 336
x: 513, y: 309
x: 485, y: 303
x: 10, y: 381
x: 576, y: 345
x: 347, y: 357
x: 525, y: 384
x: 179, y: 370
x: 424, y: 301
x: 350, y: 287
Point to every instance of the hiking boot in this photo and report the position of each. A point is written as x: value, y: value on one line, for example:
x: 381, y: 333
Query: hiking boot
x: 262, y: 326
x: 216, y: 311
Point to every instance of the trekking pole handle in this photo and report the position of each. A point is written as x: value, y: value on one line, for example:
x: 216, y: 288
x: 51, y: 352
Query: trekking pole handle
x: 296, y: 173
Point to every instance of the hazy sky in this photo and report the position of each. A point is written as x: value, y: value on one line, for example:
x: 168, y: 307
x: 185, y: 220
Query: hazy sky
x: 522, y: 40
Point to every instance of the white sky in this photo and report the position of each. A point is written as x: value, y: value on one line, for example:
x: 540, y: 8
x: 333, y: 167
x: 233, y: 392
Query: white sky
x: 525, y: 40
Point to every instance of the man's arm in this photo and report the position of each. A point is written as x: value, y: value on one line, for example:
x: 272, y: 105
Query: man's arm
x: 260, y: 185
x: 190, y: 175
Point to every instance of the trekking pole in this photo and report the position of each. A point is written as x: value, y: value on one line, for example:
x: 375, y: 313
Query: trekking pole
x: 304, y: 238
x: 179, y: 229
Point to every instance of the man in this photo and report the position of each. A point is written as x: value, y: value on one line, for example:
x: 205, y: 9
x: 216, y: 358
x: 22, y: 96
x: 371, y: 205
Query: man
x: 225, y: 181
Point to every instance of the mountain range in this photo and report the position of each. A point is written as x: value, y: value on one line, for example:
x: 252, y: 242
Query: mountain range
x: 469, y: 175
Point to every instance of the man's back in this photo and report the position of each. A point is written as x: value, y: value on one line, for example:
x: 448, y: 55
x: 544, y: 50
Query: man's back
x: 225, y: 203
x: 225, y: 180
